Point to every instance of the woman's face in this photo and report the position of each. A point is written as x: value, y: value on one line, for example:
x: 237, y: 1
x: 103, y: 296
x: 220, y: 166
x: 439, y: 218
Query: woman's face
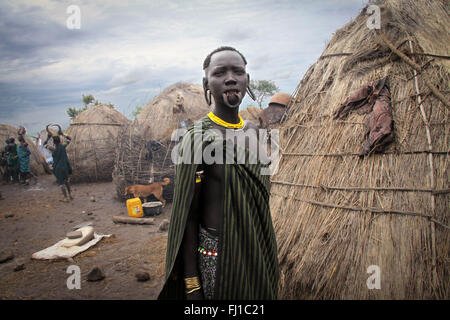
x: 226, y: 78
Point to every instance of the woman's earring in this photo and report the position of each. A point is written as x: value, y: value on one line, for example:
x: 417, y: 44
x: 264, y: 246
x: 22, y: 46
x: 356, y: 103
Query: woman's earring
x: 208, y: 97
x: 251, y: 94
x: 205, y: 93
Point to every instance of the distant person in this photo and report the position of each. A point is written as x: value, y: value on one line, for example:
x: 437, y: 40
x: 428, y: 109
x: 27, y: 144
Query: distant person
x: 24, y: 162
x: 178, y: 110
x: 24, y: 157
x: 179, y: 104
x: 13, y: 160
x: 4, y: 165
x: 44, y: 151
x: 61, y: 165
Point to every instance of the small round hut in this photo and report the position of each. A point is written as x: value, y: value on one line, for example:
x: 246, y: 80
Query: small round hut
x: 94, y: 134
x: 178, y: 105
x: 271, y: 116
x: 145, y: 147
x: 251, y: 114
x: 38, y: 165
x: 360, y: 203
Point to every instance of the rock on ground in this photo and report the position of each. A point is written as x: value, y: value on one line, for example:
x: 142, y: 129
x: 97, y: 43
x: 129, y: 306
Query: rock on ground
x: 19, y: 267
x: 164, y: 226
x: 6, y: 255
x: 96, y: 274
x: 142, y: 276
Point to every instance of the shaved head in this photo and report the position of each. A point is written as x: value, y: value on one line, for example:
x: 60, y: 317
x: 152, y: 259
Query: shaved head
x: 208, y: 58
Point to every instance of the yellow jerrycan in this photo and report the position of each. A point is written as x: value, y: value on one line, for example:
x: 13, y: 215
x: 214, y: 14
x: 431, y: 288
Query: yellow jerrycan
x: 134, y: 207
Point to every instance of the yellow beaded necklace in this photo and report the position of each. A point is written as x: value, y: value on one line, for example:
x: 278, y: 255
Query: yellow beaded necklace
x: 225, y: 124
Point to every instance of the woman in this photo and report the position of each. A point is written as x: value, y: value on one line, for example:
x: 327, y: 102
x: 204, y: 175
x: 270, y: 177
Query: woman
x: 24, y: 162
x: 221, y: 242
x: 61, y: 165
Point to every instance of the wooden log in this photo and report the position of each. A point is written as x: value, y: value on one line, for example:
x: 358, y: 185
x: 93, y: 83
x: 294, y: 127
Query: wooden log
x: 416, y: 67
x: 130, y: 220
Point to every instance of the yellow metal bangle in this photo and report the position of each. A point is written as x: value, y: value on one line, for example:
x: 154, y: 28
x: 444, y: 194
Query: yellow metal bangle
x: 193, y: 290
x: 192, y: 283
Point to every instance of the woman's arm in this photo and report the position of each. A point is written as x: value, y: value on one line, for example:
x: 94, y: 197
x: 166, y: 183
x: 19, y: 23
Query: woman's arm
x: 52, y: 149
x: 190, y: 244
x: 68, y: 140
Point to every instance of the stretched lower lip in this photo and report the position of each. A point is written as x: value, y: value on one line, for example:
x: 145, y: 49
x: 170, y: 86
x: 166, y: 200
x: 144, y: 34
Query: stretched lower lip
x: 232, y: 98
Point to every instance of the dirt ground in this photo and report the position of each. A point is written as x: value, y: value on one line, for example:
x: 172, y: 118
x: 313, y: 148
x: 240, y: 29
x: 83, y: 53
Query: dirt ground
x: 40, y: 220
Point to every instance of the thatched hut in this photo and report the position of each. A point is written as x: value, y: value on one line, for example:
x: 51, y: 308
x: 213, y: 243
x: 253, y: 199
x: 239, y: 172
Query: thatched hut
x: 145, y: 148
x: 94, y: 134
x: 271, y: 116
x: 163, y: 114
x: 38, y: 165
x: 337, y: 213
x: 251, y: 113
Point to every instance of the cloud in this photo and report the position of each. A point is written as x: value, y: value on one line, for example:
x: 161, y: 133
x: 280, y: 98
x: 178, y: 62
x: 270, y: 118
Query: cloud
x: 283, y: 74
x: 30, y: 31
x: 124, y: 48
x: 128, y: 77
x: 112, y: 90
x: 236, y: 34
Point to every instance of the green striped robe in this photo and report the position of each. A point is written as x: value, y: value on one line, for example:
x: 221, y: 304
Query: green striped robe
x: 247, y: 262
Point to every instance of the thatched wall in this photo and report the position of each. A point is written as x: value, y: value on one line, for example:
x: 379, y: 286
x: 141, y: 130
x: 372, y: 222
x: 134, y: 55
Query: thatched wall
x: 335, y: 214
x: 38, y: 165
x: 144, y: 149
x: 94, y: 134
x: 142, y: 161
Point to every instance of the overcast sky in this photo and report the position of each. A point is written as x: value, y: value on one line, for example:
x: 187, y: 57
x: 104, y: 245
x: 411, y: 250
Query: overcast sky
x: 126, y: 52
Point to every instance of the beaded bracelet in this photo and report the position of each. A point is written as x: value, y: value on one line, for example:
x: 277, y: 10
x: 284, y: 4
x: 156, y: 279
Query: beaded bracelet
x: 207, y: 252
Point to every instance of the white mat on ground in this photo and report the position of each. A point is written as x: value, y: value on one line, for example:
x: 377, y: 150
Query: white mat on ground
x: 57, y: 251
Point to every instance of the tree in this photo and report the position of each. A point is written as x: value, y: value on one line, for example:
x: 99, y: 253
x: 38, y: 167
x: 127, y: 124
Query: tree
x: 88, y: 99
x: 263, y: 89
x: 72, y: 112
x: 136, y: 111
